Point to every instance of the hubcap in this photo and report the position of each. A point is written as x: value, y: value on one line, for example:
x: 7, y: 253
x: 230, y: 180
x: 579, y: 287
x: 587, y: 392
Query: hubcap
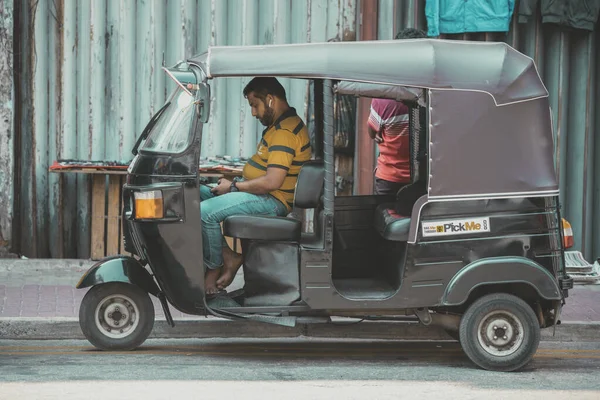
x: 500, y: 333
x: 117, y: 316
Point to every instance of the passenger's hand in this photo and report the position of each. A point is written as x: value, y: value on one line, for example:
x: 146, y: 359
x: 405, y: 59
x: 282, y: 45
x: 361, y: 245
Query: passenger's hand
x: 222, y: 188
x: 378, y: 138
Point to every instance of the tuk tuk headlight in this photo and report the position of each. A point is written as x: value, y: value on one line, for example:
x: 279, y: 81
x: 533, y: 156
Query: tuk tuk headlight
x: 148, y: 205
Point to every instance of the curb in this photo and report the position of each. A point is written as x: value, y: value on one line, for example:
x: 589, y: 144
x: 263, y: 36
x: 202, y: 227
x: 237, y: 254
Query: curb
x: 68, y: 328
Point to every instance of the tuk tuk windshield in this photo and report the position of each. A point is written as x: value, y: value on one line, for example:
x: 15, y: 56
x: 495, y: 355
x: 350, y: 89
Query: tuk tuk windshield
x: 172, y: 131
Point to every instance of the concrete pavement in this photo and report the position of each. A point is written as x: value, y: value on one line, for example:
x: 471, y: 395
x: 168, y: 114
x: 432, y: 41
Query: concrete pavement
x: 288, y: 368
x: 38, y: 300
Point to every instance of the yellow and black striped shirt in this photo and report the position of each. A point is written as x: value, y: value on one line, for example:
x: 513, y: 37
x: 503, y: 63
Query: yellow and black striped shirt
x: 285, y: 145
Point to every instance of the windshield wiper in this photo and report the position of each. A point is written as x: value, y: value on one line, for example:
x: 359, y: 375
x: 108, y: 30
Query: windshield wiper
x: 148, y: 128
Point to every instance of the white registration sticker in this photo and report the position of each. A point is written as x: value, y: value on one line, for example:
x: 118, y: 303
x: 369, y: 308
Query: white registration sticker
x: 456, y: 227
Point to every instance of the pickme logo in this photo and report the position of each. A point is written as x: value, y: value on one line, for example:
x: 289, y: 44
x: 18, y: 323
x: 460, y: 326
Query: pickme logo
x: 456, y: 227
x: 453, y: 227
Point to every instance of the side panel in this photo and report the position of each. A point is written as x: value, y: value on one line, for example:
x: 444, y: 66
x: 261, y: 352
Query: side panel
x: 500, y: 270
x: 119, y: 269
x: 526, y: 229
x: 173, y: 246
x: 499, y: 150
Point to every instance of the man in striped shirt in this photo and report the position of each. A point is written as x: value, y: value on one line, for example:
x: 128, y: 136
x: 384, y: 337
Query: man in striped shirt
x: 269, y: 179
x: 388, y: 126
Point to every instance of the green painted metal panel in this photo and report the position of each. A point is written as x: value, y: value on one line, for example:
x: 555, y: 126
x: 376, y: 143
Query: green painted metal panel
x: 95, y: 83
x: 39, y: 209
x: 7, y: 119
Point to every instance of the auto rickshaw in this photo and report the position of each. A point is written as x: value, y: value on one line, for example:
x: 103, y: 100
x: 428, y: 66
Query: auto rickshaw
x: 474, y: 243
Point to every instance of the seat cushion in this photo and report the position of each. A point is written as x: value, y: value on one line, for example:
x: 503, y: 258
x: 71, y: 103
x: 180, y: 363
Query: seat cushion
x: 279, y: 229
x: 390, y: 224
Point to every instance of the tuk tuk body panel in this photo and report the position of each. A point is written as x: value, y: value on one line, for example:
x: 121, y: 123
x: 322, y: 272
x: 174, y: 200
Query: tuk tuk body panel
x: 172, y: 246
x: 497, y: 152
x: 419, y: 275
x: 271, y: 273
x: 504, y: 270
x: 524, y: 230
x: 119, y: 269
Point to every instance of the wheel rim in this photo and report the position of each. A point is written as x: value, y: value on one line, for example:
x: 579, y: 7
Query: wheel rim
x: 500, y: 333
x: 117, y: 316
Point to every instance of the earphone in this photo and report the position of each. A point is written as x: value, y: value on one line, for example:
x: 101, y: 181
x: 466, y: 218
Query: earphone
x: 270, y: 103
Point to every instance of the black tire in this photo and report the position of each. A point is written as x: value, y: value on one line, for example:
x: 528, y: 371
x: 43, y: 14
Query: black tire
x: 491, y: 319
x: 116, y: 316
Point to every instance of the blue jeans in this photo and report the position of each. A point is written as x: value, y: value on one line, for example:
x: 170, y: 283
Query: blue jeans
x: 214, y: 209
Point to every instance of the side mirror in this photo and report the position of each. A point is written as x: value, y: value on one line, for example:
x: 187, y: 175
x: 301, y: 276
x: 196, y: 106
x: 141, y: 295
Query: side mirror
x: 203, y: 102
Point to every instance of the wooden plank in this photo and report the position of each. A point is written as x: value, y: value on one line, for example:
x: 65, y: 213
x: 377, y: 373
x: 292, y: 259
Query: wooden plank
x: 92, y: 171
x: 344, y: 166
x: 98, y: 220
x: 112, y: 230
x: 121, y: 233
x: 235, y: 246
x: 89, y: 171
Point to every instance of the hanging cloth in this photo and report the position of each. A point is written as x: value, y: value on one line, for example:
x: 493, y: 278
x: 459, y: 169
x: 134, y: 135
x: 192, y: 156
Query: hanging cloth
x: 578, y: 14
x: 461, y: 16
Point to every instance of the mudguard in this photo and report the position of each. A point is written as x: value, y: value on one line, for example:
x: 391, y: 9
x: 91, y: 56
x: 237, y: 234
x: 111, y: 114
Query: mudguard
x: 119, y: 269
x: 500, y: 270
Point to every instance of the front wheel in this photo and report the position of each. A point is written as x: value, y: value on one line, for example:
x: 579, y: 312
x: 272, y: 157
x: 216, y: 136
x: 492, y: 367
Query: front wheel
x: 500, y: 332
x: 116, y: 316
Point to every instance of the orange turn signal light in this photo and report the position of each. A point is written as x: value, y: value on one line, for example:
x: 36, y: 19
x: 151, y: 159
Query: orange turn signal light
x: 568, y: 240
x: 148, y: 205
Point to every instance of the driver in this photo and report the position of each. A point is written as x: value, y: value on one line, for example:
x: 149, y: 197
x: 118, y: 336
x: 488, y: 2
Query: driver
x: 268, y: 184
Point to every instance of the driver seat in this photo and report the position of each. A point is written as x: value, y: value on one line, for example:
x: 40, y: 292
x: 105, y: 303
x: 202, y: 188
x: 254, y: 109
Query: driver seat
x: 309, y: 189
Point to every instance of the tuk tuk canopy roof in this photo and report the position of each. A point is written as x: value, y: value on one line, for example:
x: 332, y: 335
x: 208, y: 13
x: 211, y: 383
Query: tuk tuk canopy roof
x: 499, y: 152
x: 491, y: 67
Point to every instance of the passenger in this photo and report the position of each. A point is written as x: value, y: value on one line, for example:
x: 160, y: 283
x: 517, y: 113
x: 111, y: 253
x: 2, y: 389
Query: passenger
x: 388, y: 126
x: 268, y: 183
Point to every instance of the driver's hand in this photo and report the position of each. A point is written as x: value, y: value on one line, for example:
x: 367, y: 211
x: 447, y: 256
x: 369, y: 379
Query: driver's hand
x: 378, y: 138
x: 222, y: 188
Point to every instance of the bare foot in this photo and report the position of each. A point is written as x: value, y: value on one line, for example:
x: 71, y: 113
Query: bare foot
x: 232, y: 262
x: 210, y: 280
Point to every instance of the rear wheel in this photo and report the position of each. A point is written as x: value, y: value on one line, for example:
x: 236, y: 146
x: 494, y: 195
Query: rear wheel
x: 500, y: 332
x: 116, y: 316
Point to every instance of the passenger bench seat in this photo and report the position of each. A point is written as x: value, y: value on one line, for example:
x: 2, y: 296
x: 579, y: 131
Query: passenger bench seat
x: 392, y: 220
x: 390, y: 224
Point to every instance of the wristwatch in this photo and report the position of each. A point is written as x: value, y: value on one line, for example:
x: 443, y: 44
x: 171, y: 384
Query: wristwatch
x: 233, y: 187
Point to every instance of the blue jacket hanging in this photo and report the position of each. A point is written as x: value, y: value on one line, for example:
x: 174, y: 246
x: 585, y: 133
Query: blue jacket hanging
x: 460, y: 16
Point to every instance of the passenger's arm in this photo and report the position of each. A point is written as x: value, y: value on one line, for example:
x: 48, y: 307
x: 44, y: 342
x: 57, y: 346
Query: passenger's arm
x: 374, y: 126
x: 265, y: 184
x: 376, y: 136
x: 281, y: 156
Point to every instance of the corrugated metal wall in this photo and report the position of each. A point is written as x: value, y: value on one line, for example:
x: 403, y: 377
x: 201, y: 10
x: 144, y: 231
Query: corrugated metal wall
x: 89, y: 78
x: 569, y: 65
x: 6, y: 123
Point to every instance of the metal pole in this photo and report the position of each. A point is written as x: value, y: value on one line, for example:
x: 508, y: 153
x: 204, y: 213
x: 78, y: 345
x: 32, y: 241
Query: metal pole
x: 328, y: 148
x: 365, y: 150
